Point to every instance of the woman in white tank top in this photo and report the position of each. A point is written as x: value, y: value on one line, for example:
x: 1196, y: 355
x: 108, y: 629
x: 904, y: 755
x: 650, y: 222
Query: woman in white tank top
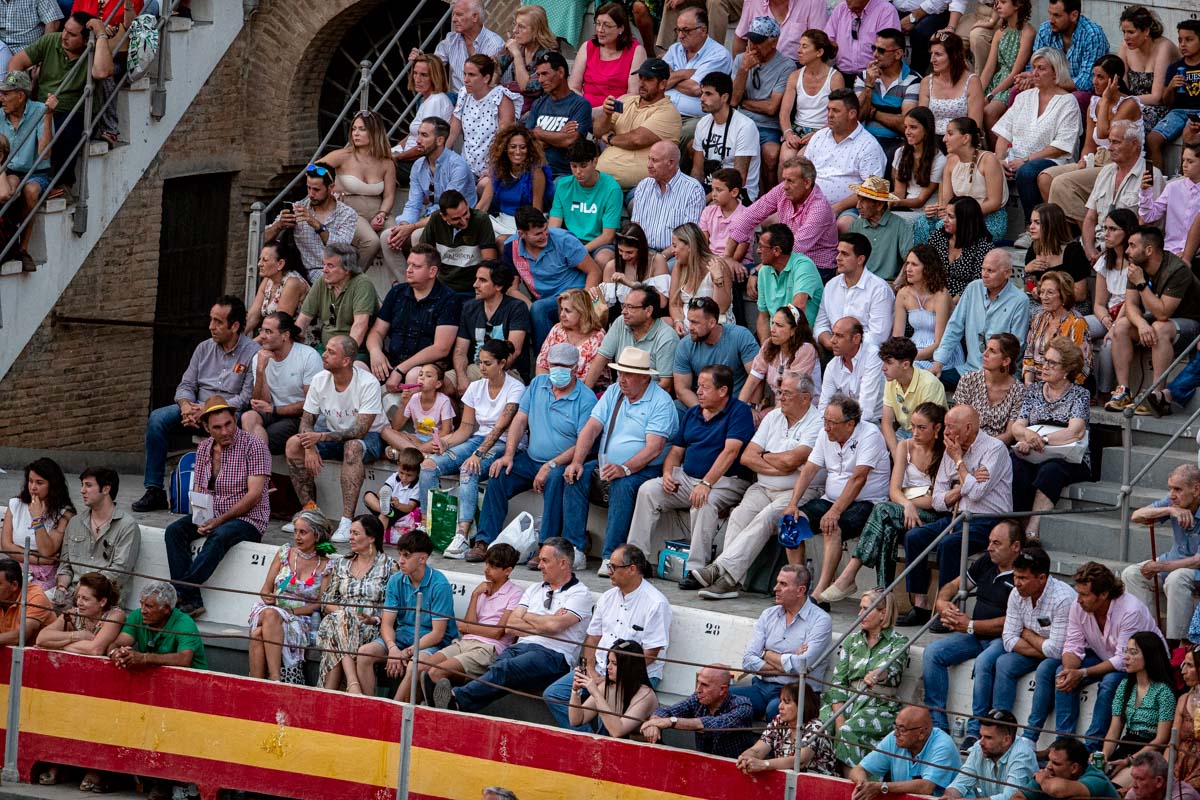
x: 806, y: 97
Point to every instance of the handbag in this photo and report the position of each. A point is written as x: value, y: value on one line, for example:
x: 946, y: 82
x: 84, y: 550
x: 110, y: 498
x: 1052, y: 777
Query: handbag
x: 598, y: 492
x: 1072, y: 452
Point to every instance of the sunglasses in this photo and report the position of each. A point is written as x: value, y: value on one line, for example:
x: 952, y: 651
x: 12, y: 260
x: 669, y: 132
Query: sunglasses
x: 313, y: 169
x: 855, y: 24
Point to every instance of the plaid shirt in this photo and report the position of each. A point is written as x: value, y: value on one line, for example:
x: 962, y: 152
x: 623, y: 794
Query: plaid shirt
x: 340, y: 226
x: 1054, y: 605
x: 1088, y: 43
x: 812, y: 223
x: 22, y: 22
x: 245, y: 457
x: 735, y: 712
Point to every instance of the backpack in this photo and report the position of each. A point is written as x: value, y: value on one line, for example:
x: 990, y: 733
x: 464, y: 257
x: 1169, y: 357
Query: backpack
x: 181, y: 484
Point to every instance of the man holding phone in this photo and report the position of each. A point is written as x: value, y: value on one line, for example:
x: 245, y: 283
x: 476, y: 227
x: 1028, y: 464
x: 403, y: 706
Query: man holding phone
x: 630, y: 125
x: 317, y: 220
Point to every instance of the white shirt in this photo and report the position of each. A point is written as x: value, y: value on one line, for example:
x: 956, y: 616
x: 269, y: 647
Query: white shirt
x: 774, y: 435
x: 871, y: 301
x: 402, y: 493
x: 487, y: 410
x: 1115, y: 280
x: 839, y: 164
x: 642, y: 616
x: 436, y: 105
x: 1054, y: 605
x: 865, y: 446
x: 711, y: 57
x: 1058, y: 126
x: 912, y: 190
x: 338, y: 411
x: 576, y: 599
x: 737, y: 136
x: 286, y: 379
x: 863, y: 381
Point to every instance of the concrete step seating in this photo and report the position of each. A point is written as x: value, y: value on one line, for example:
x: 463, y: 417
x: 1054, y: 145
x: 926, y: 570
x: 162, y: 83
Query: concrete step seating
x: 698, y: 635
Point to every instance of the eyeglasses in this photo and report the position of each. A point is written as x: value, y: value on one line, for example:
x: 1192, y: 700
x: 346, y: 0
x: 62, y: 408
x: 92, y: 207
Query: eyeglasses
x: 1112, y: 229
x: 1052, y: 363
x: 313, y: 169
x: 332, y: 314
x: 549, y: 599
x: 883, y: 50
x: 898, y: 728
x: 632, y: 307
x: 686, y: 31
x: 611, y: 565
x: 603, y: 26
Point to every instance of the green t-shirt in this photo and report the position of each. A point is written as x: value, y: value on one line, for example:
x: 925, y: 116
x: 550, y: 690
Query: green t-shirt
x: 587, y: 212
x: 48, y: 54
x: 180, y: 633
x: 358, y: 297
x: 800, y: 276
x: 1098, y: 785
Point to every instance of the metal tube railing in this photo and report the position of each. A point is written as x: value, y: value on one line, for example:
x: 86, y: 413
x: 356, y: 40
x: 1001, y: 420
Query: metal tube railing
x: 11, y: 772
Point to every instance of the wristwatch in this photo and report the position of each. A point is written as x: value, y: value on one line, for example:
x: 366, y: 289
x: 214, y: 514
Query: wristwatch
x: 704, y: 482
x: 1140, y: 286
x: 479, y: 454
x: 912, y: 18
x: 552, y: 464
x: 321, y: 229
x: 625, y: 469
x: 971, y: 627
x: 674, y: 720
x: 883, y: 788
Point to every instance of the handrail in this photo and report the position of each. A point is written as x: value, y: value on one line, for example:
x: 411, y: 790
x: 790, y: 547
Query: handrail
x: 1127, y: 483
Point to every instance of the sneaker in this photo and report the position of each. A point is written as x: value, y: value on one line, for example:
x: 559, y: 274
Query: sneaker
x: 1119, y: 400
x: 288, y: 527
x: 194, y: 611
x: 1159, y: 404
x: 605, y: 569
x: 342, y: 534
x: 443, y: 695
x: 1024, y: 241
x: 967, y: 744
x: 722, y: 588
x: 478, y: 552
x: 458, y: 547
x: 580, y: 561
x: 689, y: 583
x: 707, y: 576
x: 155, y: 499
x: 428, y: 689
x: 916, y: 616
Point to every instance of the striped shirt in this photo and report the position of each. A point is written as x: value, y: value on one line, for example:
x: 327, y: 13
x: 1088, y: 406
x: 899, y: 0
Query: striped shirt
x: 1054, y: 605
x: 660, y: 212
x: 453, y: 50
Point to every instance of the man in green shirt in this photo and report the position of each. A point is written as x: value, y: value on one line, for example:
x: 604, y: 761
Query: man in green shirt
x: 158, y: 635
x: 638, y: 327
x: 588, y: 202
x: 342, y: 301
x: 785, y: 278
x: 60, y: 88
x: 890, y: 235
x: 1067, y: 774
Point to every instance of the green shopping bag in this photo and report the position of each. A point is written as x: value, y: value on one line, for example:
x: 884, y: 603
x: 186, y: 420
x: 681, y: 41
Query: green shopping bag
x: 443, y: 517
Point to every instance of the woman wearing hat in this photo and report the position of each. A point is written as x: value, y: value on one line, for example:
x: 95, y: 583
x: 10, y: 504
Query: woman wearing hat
x: 281, y: 622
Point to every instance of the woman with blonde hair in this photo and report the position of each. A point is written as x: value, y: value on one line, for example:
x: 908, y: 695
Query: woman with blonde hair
x: 427, y: 77
x: 698, y: 272
x: 530, y: 39
x: 518, y: 176
x: 366, y: 180
x: 580, y: 324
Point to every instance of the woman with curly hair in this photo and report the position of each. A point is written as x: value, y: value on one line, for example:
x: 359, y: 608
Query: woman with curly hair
x: 518, y: 176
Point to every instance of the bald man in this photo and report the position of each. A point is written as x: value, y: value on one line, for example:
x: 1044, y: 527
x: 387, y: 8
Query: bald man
x: 667, y: 198
x: 710, y: 706
x: 915, y: 758
x: 975, y: 475
x: 645, y: 118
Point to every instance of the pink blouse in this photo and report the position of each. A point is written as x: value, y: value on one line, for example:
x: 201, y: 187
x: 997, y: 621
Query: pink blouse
x: 587, y: 350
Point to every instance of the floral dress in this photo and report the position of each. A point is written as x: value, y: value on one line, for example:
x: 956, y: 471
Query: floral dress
x: 823, y: 762
x: 1006, y: 56
x: 480, y: 120
x: 1143, y: 83
x: 291, y: 592
x: 1044, y: 328
x: 1187, y: 764
x: 867, y: 719
x: 587, y: 351
x: 342, y: 631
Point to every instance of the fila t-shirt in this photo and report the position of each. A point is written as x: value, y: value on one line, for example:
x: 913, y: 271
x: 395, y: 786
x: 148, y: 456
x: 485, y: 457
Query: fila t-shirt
x: 586, y: 212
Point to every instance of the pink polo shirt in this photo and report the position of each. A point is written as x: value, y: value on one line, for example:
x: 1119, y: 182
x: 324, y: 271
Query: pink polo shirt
x: 801, y: 15
x: 489, y: 610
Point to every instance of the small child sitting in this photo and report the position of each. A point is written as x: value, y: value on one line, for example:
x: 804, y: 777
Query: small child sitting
x: 398, y: 503
x: 431, y: 413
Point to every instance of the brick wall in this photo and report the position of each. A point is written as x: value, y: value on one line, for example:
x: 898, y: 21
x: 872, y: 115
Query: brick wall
x: 88, y: 387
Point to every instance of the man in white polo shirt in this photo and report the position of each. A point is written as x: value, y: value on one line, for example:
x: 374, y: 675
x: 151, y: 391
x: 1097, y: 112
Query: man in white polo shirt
x: 844, y: 153
x: 634, y: 611
x: 779, y: 449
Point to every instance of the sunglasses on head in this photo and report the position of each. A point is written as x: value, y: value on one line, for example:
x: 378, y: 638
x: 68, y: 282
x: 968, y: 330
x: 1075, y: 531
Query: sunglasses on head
x: 314, y: 169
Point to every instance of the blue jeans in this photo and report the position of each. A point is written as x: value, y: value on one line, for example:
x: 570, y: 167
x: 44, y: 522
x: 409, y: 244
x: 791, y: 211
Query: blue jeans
x: 1027, y: 188
x: 1186, y: 382
x: 997, y: 676
x: 506, y: 486
x: 558, y: 695
x: 763, y: 695
x: 622, y: 495
x: 524, y: 666
x: 1171, y: 126
x: 159, y: 427
x: 449, y: 463
x: 543, y: 314
x: 178, y: 538
x: 948, y: 550
x: 1066, y: 704
x: 939, y: 657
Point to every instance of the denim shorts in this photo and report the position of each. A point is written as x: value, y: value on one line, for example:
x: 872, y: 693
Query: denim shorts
x: 1171, y: 126
x: 1185, y: 330
x: 769, y: 135
x: 42, y: 179
x: 372, y: 448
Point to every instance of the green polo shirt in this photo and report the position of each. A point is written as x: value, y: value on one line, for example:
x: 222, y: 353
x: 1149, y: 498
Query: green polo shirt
x: 660, y: 342
x: 178, y: 634
x: 890, y: 241
x: 800, y: 276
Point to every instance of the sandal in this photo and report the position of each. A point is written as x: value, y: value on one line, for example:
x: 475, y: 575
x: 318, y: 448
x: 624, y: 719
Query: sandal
x: 49, y: 777
x: 90, y: 781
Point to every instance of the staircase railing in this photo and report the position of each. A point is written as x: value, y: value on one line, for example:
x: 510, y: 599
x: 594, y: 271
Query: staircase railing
x: 358, y: 101
x: 1128, y: 482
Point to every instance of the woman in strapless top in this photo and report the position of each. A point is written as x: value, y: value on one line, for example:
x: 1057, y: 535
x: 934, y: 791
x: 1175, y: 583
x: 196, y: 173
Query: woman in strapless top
x: 366, y: 181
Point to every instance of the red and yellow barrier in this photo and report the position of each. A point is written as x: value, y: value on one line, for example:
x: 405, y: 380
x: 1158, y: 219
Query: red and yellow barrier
x: 225, y: 732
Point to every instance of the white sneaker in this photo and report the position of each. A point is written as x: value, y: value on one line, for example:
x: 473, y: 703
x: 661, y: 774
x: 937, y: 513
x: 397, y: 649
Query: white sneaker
x: 457, y: 548
x: 605, y: 568
x: 289, y: 528
x: 342, y: 534
x: 580, y: 561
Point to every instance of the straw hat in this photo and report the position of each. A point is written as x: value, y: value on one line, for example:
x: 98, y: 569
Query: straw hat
x: 874, y: 188
x: 634, y: 361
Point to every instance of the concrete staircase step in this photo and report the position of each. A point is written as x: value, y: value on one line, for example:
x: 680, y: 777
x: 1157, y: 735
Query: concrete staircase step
x: 10, y: 268
x: 1098, y: 537
x: 1140, y: 455
x: 1153, y: 430
x: 1106, y: 493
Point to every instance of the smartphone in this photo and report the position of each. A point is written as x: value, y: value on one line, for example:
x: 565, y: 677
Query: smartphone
x: 618, y: 107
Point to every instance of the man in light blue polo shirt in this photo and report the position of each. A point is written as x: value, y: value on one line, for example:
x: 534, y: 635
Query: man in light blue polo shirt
x: 549, y: 261
x: 915, y: 758
x: 693, y: 56
x: 397, y: 641
x: 559, y: 405
x: 633, y: 421
x: 709, y: 342
x: 785, y: 278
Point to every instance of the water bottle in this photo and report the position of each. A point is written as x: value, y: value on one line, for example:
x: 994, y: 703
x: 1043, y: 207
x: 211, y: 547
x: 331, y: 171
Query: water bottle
x: 960, y: 728
x: 314, y: 623
x: 385, y: 500
x: 1182, y: 89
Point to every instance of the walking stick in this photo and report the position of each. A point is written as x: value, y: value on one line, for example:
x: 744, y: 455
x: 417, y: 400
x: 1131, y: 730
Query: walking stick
x: 1157, y: 590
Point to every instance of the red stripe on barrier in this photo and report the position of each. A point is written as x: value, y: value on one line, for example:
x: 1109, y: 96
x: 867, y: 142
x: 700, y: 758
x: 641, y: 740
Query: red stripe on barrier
x: 239, y: 698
